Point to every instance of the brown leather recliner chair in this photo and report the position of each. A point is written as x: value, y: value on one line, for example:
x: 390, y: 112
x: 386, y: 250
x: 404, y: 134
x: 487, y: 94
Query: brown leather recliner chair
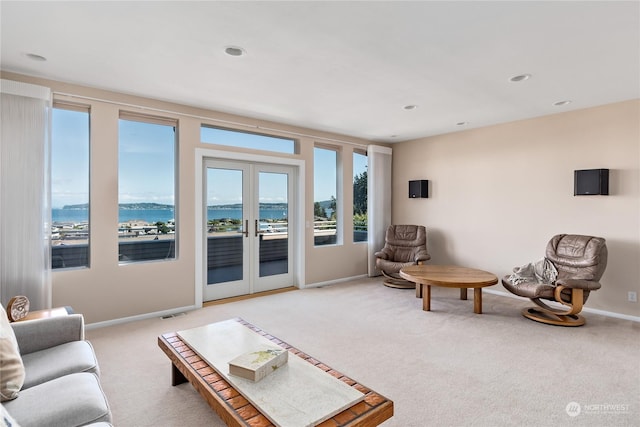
x: 404, y: 245
x: 580, y: 262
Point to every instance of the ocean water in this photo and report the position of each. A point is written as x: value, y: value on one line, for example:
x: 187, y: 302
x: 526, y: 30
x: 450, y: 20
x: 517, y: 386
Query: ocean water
x: 155, y: 215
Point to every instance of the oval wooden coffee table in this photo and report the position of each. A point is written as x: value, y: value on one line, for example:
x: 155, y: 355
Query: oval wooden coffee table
x: 449, y: 276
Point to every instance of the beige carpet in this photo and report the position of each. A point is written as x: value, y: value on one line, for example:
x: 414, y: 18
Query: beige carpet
x: 447, y: 367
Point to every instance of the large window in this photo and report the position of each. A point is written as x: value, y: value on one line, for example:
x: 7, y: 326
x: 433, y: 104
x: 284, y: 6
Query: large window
x: 69, y: 186
x: 233, y: 138
x: 359, y: 197
x: 146, y: 188
x: 325, y: 202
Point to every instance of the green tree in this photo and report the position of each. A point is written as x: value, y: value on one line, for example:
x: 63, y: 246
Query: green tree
x: 333, y: 206
x: 162, y: 227
x: 319, y: 211
x: 360, y: 194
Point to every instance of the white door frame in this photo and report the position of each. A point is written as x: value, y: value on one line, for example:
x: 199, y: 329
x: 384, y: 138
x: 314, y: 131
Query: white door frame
x: 201, y: 154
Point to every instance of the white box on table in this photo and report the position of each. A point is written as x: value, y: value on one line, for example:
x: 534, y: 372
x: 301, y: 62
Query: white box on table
x: 256, y: 365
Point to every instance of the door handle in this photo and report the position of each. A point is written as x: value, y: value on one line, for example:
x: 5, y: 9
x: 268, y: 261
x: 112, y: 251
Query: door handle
x: 246, y: 228
x: 258, y: 231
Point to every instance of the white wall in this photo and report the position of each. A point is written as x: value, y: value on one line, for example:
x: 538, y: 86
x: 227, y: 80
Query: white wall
x: 498, y: 194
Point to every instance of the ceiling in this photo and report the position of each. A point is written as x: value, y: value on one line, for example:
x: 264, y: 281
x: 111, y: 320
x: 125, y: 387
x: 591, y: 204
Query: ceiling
x: 338, y: 66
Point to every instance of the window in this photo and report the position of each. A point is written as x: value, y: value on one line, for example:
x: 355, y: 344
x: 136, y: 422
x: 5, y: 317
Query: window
x: 146, y: 188
x: 325, y: 205
x: 359, y: 197
x: 69, y: 186
x: 233, y: 138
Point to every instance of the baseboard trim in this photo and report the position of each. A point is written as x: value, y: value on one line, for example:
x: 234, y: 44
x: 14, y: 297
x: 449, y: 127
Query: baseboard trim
x: 611, y: 314
x: 584, y: 309
x: 335, y: 282
x: 249, y: 296
x: 145, y: 316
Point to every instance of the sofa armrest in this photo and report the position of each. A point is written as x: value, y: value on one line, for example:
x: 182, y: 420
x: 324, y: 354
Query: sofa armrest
x: 422, y: 256
x: 381, y: 255
x: 587, y: 285
x: 35, y: 335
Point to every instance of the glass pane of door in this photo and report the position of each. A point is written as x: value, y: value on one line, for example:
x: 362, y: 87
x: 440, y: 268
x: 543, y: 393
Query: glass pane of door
x: 225, y: 217
x: 248, y: 231
x: 273, y: 223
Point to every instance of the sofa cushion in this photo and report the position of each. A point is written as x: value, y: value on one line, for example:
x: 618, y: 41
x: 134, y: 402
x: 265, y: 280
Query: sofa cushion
x: 11, y: 366
x: 6, y: 420
x: 69, y: 401
x: 54, y: 362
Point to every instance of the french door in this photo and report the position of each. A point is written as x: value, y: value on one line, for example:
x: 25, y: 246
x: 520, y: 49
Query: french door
x: 249, y: 228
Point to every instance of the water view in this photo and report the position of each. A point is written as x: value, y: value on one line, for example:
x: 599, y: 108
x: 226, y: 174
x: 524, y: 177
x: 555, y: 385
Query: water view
x: 151, y: 216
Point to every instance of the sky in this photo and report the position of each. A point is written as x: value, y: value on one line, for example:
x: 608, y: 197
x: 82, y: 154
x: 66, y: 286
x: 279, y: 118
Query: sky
x: 69, y: 158
x: 146, y: 163
x: 224, y: 186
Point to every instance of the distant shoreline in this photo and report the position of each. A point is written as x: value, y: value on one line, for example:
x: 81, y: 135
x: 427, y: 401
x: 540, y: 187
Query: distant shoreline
x: 159, y: 206
x: 151, y: 216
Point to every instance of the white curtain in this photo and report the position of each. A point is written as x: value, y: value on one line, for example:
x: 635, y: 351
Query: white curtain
x: 378, y: 200
x: 25, y: 214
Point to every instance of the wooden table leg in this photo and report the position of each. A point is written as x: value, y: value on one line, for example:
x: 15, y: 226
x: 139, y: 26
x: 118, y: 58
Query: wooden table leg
x: 418, y: 290
x: 463, y: 293
x: 176, y: 376
x: 426, y: 298
x: 477, y: 300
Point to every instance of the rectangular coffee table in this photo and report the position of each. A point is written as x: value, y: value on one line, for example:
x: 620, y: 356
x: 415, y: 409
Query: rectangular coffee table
x: 232, y: 406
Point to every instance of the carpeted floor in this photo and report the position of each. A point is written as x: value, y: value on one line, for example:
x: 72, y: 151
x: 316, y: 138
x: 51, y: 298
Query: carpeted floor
x: 447, y: 367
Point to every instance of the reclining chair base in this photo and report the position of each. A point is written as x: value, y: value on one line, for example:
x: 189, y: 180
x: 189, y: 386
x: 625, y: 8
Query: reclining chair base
x: 555, y: 316
x: 553, y: 319
x: 397, y: 282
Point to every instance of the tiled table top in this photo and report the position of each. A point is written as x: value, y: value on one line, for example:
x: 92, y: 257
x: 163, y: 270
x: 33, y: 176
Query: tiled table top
x: 235, y: 410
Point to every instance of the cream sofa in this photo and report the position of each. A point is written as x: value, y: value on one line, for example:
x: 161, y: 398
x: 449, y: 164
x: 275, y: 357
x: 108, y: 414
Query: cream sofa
x: 60, y: 378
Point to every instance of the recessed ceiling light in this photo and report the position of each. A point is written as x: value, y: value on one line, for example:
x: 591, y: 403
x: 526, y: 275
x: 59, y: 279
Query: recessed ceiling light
x: 520, y: 78
x: 561, y: 103
x: 410, y: 107
x: 234, y: 51
x: 36, y: 57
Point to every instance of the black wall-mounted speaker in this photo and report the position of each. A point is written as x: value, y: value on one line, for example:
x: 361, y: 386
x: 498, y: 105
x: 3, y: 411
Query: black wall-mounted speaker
x: 419, y: 189
x: 589, y: 182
